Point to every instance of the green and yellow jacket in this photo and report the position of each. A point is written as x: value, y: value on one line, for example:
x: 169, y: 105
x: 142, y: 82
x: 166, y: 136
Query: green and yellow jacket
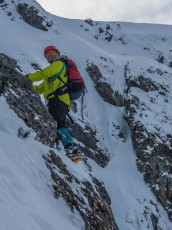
x: 48, y: 86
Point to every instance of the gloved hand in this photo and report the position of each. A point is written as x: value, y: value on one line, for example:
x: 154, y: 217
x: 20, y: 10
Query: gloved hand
x: 26, y: 82
x: 27, y: 75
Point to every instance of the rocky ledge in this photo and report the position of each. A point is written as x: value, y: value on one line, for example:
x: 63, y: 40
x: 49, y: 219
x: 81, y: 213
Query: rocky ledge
x: 31, y: 16
x: 87, y: 197
x: 25, y: 102
x: 104, y: 89
x: 149, y: 116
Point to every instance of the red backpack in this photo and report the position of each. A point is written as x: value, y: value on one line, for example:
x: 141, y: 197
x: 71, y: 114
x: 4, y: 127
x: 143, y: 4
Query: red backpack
x: 76, y: 83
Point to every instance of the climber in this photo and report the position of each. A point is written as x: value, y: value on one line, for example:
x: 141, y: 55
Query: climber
x: 55, y: 92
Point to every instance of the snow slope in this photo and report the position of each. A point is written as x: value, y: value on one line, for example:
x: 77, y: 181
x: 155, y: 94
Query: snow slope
x: 26, y: 197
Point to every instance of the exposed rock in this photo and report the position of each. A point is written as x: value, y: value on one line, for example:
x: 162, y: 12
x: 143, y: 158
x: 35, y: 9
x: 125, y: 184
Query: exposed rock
x: 25, y: 102
x: 153, y: 148
x: 89, y: 198
x: 108, y: 32
x: 102, y: 86
x: 3, y: 4
x: 9, y: 14
x: 108, y: 27
x: 170, y: 64
x: 32, y: 17
x: 89, y: 144
x: 117, y: 131
x: 160, y: 58
x: 154, y: 222
x: 90, y: 21
x: 22, y: 133
x: 108, y: 36
x: 142, y: 83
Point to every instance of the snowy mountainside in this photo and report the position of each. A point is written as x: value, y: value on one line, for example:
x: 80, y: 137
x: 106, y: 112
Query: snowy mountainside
x: 85, y: 195
x: 129, y: 65
x: 25, y: 181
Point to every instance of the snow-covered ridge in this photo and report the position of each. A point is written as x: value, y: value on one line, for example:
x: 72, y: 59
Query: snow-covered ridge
x: 135, y: 61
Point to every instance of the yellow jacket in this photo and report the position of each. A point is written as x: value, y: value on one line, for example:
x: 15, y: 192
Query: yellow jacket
x: 47, y: 87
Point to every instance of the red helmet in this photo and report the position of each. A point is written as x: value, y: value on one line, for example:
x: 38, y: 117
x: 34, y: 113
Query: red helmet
x: 50, y: 48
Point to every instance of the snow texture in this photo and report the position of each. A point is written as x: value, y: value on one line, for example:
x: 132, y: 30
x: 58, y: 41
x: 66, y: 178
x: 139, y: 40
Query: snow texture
x: 26, y: 196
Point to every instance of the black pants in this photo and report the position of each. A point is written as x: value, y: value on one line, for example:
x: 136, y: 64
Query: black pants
x: 58, y: 111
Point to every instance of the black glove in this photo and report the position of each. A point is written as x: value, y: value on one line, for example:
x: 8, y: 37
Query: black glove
x: 27, y: 75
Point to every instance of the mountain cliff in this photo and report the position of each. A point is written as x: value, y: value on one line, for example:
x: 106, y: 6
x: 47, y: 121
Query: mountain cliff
x: 123, y: 130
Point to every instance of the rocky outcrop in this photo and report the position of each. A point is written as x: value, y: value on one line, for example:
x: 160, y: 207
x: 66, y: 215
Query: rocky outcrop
x: 31, y: 16
x: 88, y: 197
x: 90, y: 22
x: 89, y: 145
x: 109, y: 32
x: 149, y: 118
x: 104, y: 89
x: 25, y: 102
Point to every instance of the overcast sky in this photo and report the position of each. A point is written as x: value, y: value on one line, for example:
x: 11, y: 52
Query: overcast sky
x: 148, y: 11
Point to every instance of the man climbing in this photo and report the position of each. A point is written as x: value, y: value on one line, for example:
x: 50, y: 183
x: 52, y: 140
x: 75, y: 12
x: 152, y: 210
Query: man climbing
x: 55, y: 91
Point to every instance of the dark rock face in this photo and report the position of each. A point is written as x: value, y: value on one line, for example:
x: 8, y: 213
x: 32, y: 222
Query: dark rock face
x: 143, y: 84
x: 89, y: 144
x: 90, y: 199
x: 31, y: 16
x: 152, y: 143
x: 90, y: 21
x: 103, y: 86
x: 160, y: 55
x: 160, y: 58
x: 170, y: 64
x: 25, y: 102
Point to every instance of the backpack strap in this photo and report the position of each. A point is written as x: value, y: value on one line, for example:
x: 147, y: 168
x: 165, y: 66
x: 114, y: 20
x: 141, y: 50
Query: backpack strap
x: 58, y: 75
x: 65, y: 84
x: 63, y: 89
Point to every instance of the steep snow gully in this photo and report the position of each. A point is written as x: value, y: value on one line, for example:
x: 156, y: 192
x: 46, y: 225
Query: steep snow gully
x: 124, y: 181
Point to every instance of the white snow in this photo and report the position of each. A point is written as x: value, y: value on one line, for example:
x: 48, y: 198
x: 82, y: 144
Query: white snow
x: 26, y: 197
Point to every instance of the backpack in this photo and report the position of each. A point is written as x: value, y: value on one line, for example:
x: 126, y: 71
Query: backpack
x: 75, y: 83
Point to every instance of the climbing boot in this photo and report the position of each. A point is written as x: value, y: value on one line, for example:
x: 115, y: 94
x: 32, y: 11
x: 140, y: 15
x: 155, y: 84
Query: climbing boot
x: 73, y: 153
